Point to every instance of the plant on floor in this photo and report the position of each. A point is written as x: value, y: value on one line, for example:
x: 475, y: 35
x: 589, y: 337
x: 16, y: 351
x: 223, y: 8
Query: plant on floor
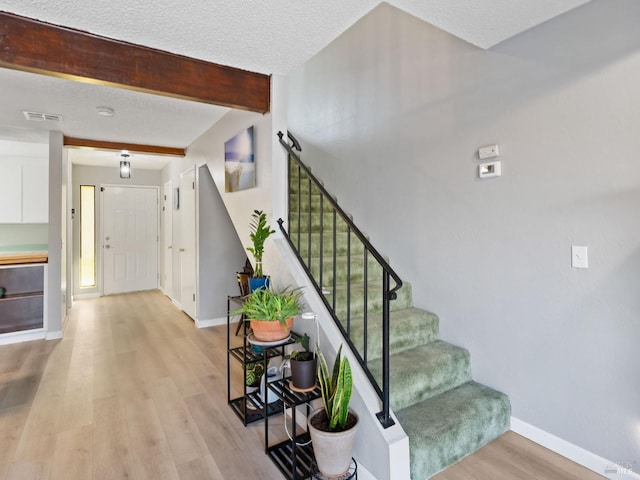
x: 333, y: 427
x: 260, y: 231
x: 336, y: 389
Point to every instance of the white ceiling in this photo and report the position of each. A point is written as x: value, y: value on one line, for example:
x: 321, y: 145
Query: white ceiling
x: 273, y: 37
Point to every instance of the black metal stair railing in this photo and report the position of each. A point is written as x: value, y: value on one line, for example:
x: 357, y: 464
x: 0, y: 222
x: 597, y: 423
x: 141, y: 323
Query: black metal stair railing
x: 320, y: 233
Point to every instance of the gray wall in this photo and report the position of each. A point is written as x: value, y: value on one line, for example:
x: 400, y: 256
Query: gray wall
x: 220, y: 251
x: 391, y: 115
x: 87, y: 175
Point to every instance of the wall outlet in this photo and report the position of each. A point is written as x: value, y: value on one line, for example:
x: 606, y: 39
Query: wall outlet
x: 488, y: 170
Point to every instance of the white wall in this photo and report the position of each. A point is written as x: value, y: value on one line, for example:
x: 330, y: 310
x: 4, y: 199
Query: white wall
x: 391, y: 115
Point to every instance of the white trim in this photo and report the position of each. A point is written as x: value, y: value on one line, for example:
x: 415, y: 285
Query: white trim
x: 19, y: 337
x: 176, y: 304
x: 54, y: 335
x: 214, y: 322
x: 86, y: 296
x: 577, y: 454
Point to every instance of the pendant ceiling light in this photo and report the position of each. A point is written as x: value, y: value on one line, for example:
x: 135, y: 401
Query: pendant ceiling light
x: 125, y: 165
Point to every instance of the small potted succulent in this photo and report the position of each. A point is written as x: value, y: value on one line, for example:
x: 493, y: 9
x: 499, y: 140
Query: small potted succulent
x: 303, y: 366
x: 333, y: 427
x: 271, y: 312
x: 260, y: 231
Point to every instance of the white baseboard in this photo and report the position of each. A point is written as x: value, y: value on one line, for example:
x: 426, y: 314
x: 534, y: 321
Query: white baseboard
x: 577, y: 454
x: 214, y: 322
x: 178, y: 305
x: 55, y: 335
x: 86, y: 296
x: 19, y: 337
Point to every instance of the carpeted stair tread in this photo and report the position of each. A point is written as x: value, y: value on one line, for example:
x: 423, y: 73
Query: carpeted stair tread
x: 424, y: 372
x: 374, y: 298
x: 410, y: 328
x: 327, y: 223
x: 355, y: 273
x: 444, y: 429
x: 344, y: 244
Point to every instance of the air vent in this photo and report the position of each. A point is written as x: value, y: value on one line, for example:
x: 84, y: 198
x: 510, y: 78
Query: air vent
x: 42, y: 117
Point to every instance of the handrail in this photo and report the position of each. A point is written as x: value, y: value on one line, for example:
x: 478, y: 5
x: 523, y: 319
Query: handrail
x: 369, y: 250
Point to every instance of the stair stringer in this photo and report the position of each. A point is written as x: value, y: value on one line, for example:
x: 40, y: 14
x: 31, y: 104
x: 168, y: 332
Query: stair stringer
x: 385, y: 452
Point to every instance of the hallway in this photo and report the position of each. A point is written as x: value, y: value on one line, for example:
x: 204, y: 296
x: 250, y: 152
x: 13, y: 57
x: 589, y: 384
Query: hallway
x: 135, y: 391
x: 132, y: 391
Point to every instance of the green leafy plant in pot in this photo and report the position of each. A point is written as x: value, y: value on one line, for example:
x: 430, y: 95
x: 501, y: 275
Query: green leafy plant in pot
x: 303, y: 366
x: 260, y: 231
x: 334, y: 426
x: 253, y: 375
x: 271, y: 312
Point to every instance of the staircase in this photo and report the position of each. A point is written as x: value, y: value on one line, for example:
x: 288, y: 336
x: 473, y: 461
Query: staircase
x: 445, y: 414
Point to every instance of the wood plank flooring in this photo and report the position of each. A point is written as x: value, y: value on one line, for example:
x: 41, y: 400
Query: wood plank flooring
x: 135, y: 391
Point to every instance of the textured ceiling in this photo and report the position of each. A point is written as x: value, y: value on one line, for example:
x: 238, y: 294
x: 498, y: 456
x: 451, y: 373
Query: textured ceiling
x: 276, y: 36
x: 272, y: 37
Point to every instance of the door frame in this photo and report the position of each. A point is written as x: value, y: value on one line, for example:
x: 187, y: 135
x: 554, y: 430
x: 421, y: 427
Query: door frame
x: 166, y: 258
x: 101, y: 228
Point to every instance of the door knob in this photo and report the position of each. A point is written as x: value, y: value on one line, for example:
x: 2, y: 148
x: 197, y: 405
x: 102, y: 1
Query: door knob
x: 182, y: 249
x: 169, y: 247
x: 107, y: 246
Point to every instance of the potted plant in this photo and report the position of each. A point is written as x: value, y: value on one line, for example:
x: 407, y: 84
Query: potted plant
x: 260, y: 231
x: 271, y: 312
x: 333, y: 427
x: 253, y: 376
x: 303, y: 366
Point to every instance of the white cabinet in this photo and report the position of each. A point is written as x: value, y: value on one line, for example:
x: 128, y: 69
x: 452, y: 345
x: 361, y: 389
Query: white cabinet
x: 10, y: 191
x: 35, y: 190
x: 24, y: 190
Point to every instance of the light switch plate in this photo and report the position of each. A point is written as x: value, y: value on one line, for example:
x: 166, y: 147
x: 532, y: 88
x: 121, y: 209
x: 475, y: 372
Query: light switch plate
x: 579, y: 257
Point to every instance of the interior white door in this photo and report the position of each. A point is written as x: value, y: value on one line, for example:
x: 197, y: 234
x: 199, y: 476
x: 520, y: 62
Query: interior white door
x: 167, y: 229
x: 130, y: 239
x: 188, y: 242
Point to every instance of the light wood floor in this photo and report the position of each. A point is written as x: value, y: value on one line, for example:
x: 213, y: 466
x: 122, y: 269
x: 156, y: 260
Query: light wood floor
x: 135, y: 391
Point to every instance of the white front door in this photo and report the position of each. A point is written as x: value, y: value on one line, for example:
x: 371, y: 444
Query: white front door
x: 129, y: 238
x: 167, y: 229
x: 188, y: 242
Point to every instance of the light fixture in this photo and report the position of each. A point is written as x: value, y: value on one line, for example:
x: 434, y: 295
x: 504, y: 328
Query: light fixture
x: 125, y: 165
x: 105, y: 111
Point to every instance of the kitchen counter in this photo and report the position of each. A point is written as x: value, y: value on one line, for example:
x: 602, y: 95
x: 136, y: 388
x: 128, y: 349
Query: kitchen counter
x: 20, y: 254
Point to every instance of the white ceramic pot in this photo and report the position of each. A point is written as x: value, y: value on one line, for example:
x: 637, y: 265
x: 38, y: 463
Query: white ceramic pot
x: 333, y: 450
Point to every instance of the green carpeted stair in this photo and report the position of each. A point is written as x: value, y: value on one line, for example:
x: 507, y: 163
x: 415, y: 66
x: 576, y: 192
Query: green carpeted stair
x: 444, y: 412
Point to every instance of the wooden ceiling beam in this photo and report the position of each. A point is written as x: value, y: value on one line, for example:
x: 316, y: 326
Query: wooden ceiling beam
x: 132, y: 147
x: 34, y: 46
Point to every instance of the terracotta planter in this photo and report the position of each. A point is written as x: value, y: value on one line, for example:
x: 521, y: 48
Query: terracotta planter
x: 270, y: 331
x: 333, y: 450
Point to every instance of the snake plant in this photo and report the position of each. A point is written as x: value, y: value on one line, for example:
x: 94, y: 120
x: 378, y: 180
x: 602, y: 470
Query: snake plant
x: 336, y: 389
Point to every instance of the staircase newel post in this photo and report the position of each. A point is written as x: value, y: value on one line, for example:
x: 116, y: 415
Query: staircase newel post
x: 384, y: 416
